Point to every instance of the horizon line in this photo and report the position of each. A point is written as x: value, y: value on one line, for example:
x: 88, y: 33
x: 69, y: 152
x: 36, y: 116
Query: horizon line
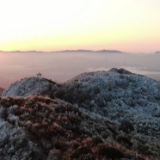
x: 62, y: 50
x: 81, y: 50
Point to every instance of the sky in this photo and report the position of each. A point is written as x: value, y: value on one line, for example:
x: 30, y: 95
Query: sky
x: 51, y: 25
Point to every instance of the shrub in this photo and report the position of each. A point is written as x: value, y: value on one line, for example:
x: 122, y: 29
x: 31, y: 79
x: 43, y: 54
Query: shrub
x: 126, y: 126
x: 124, y: 141
x: 80, y: 151
x: 109, y: 152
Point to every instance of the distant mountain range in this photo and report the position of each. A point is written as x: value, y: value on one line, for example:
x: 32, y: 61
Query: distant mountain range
x: 17, y: 51
x: 83, y: 50
x: 79, y: 50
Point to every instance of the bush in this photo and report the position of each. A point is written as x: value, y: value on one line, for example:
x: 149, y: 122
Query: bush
x: 126, y: 126
x: 109, y: 152
x: 81, y: 151
x: 124, y: 141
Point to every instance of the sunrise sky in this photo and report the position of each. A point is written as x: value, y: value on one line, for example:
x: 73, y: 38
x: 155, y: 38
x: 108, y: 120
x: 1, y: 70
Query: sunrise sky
x: 50, y: 25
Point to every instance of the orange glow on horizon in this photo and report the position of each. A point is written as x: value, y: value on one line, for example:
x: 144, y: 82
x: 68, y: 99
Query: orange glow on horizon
x: 126, y: 25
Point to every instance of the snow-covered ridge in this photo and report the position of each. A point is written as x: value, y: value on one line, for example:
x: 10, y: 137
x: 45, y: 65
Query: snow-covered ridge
x: 27, y: 87
x: 124, y: 83
x: 118, y: 96
x: 116, y: 105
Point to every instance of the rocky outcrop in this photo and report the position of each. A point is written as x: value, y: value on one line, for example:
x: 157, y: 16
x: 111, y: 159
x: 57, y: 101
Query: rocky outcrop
x: 121, y: 71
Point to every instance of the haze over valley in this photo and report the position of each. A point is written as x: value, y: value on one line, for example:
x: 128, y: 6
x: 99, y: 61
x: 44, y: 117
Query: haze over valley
x: 62, y: 66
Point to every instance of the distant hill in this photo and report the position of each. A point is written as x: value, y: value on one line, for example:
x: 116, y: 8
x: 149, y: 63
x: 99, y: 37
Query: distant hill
x: 17, y: 51
x: 79, y: 50
x: 157, y: 52
x: 110, y: 51
x: 83, y: 50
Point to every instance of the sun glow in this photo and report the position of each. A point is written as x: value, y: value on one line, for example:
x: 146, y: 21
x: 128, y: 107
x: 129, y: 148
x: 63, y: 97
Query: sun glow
x: 56, y: 25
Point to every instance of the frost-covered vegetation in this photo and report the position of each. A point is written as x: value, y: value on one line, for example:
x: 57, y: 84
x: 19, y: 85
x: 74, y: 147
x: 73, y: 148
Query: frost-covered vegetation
x: 28, y: 86
x: 96, y: 115
x: 116, y: 96
x: 39, y: 127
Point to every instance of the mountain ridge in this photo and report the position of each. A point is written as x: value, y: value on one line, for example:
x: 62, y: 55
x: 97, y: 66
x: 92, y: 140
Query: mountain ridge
x: 114, y: 114
x: 79, y: 50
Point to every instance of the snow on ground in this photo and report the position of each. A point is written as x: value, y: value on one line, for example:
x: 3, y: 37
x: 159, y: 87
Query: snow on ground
x: 117, y: 95
x: 27, y: 87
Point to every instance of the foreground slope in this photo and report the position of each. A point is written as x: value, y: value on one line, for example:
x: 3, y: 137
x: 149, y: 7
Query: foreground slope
x: 115, y: 111
x: 42, y: 128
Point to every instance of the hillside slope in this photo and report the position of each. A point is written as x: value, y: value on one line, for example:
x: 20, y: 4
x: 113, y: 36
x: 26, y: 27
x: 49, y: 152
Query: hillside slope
x: 1, y: 91
x: 28, y: 86
x: 118, y: 108
x: 45, y: 129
